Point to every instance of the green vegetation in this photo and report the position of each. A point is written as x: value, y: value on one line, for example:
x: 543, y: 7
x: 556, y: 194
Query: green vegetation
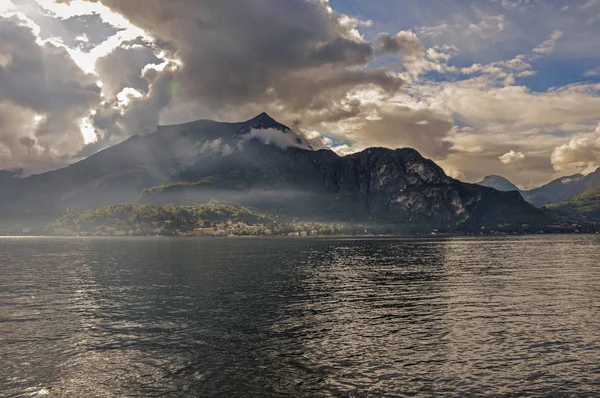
x: 202, y: 220
x: 586, y: 205
x: 180, y: 184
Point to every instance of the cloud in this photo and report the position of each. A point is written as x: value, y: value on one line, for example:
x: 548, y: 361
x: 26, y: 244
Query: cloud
x: 79, y: 31
x: 514, y: 4
x: 495, y: 120
x: 518, y: 65
x: 487, y: 25
x: 581, y: 152
x: 592, y: 72
x: 413, y: 55
x: 548, y: 46
x: 44, y: 96
x: 468, y: 29
x: 139, y: 115
x: 512, y: 157
x: 404, y: 43
x: 187, y: 152
x: 228, y: 62
x: 281, y: 139
x: 402, y: 126
x: 481, y: 102
x: 122, y: 68
x: 306, y: 65
x: 311, y: 68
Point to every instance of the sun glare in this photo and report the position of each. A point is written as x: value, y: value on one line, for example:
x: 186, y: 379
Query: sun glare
x: 6, y: 5
x: 127, y: 94
x: 87, y: 131
x: 87, y: 60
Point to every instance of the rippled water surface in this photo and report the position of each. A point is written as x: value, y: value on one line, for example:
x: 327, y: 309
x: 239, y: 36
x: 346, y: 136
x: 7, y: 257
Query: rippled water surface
x: 300, y: 317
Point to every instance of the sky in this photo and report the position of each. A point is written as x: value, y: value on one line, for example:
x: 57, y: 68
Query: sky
x: 506, y: 87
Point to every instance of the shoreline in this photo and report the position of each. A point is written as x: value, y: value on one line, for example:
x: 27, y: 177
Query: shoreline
x: 342, y: 236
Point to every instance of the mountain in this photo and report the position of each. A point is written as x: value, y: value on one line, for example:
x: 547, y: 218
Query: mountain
x: 498, y: 182
x: 119, y: 173
x: 562, y: 189
x: 263, y: 164
x: 554, y: 192
x: 585, y: 205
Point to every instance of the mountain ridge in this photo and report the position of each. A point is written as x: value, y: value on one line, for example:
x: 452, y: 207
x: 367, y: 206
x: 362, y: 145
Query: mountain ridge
x: 553, y: 192
x: 562, y: 188
x: 263, y: 163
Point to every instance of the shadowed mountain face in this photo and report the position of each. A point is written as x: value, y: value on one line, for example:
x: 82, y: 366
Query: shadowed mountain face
x: 379, y: 185
x: 498, y: 182
x: 264, y: 164
x: 120, y: 173
x: 562, y: 188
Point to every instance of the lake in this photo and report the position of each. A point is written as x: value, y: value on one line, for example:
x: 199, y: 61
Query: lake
x: 128, y: 317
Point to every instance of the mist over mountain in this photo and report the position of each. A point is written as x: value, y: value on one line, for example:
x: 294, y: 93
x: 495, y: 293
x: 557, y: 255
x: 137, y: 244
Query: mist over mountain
x: 119, y: 173
x: 264, y: 164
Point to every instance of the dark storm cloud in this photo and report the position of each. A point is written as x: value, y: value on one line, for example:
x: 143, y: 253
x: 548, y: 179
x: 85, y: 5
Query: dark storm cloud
x: 236, y: 53
x: 299, y: 60
x: 404, y: 43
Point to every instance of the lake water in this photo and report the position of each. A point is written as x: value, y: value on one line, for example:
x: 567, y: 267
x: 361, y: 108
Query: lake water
x: 516, y: 316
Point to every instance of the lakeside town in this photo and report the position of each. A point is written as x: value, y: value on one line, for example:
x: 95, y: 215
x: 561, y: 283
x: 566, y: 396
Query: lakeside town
x: 217, y: 220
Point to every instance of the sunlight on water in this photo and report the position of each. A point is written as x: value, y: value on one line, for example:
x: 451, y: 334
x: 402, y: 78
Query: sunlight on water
x: 284, y: 317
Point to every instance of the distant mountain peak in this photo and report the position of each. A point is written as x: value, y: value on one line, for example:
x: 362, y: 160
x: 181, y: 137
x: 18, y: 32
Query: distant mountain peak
x: 264, y: 121
x: 263, y: 115
x: 498, y: 182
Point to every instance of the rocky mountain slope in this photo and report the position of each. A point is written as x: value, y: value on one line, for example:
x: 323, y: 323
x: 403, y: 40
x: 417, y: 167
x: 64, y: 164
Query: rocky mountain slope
x: 262, y: 163
x: 379, y: 185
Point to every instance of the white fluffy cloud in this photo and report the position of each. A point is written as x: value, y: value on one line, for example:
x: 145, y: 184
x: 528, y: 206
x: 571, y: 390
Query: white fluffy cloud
x: 581, y: 152
x: 512, y: 157
x: 276, y: 137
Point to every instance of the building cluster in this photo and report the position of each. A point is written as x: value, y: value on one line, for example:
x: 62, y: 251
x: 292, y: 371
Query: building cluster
x: 214, y: 229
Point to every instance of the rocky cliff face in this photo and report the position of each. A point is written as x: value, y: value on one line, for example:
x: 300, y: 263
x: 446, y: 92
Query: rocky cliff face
x: 264, y: 164
x: 379, y: 185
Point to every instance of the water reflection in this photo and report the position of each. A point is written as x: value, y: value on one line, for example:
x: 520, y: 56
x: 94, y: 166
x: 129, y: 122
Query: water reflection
x: 457, y: 316
x: 356, y: 312
x: 167, y: 317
